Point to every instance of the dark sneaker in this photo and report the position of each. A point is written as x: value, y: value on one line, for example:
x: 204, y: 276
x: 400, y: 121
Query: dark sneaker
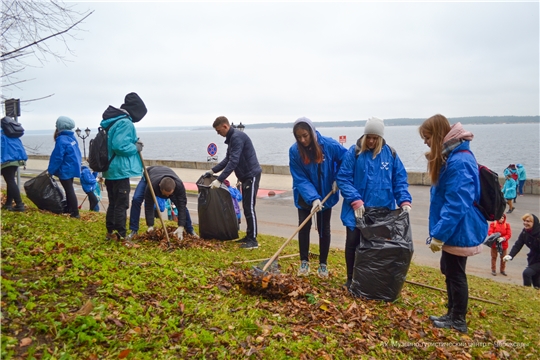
x: 7, y: 207
x: 493, y: 272
x: 304, y: 268
x: 250, y: 244
x: 131, y: 235
x: 242, y: 240
x: 347, y: 285
x: 458, y: 323
x: 439, y: 318
x: 503, y: 273
x: 20, y: 207
x: 111, y: 236
x: 193, y: 234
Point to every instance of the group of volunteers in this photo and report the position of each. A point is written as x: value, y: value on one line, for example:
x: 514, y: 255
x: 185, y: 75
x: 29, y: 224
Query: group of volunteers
x: 368, y: 174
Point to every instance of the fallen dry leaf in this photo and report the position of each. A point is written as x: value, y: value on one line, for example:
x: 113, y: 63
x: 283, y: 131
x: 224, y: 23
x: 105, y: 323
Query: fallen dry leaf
x: 124, y: 353
x: 25, y: 342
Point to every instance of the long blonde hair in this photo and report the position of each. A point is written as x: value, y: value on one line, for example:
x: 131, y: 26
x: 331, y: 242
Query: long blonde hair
x: 376, y: 150
x: 436, y: 127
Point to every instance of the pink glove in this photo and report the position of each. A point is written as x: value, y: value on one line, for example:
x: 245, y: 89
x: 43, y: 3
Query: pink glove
x: 357, y: 204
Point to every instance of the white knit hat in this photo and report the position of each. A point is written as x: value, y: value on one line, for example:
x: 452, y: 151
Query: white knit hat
x: 374, y: 126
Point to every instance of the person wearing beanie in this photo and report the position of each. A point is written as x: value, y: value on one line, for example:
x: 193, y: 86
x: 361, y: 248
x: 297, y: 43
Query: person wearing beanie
x: 125, y: 161
x: 314, y: 161
x: 13, y: 156
x: 65, y: 161
x: 371, y: 175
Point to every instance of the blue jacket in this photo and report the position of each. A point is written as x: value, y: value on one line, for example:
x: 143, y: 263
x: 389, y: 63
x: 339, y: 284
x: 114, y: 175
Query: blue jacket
x: 314, y: 181
x: 509, y: 188
x: 65, y: 161
x: 121, y: 141
x: 241, y: 157
x: 378, y: 182
x: 522, y: 174
x: 12, y: 149
x: 453, y: 218
x: 88, y: 179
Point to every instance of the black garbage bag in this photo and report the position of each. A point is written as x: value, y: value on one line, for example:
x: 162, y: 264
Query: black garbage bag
x: 217, y: 218
x: 383, y: 257
x: 491, y: 239
x: 44, y: 191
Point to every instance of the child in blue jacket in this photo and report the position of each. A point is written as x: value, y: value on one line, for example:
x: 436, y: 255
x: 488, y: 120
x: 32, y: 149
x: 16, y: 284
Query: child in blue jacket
x: 65, y: 161
x: 13, y: 156
x: 509, y: 191
x: 89, y: 185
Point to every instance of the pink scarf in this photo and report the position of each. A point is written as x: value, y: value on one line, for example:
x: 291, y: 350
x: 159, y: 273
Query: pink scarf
x: 457, y: 132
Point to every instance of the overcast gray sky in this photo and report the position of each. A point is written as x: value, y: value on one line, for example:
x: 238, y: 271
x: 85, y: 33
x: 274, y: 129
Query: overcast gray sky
x: 274, y: 62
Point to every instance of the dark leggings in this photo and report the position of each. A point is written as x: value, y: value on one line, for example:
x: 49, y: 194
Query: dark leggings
x: 453, y: 268
x: 93, y: 200
x: 13, y: 192
x: 351, y: 243
x: 323, y: 227
x: 531, y: 275
x: 72, y: 206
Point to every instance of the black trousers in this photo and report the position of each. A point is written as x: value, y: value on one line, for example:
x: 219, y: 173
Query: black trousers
x: 249, y: 198
x: 453, y: 268
x: 72, y: 205
x: 531, y: 275
x: 352, y: 241
x: 93, y: 200
x: 13, y: 192
x: 323, y: 227
x: 118, y: 193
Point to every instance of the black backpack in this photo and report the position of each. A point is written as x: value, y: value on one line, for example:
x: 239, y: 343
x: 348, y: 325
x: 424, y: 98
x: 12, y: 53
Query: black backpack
x: 492, y: 202
x: 11, y: 128
x: 98, y: 150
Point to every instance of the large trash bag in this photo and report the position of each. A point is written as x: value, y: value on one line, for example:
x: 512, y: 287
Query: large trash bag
x: 217, y: 218
x: 383, y: 257
x: 44, y: 191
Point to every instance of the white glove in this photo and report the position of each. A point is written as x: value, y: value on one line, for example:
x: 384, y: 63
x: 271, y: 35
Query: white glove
x: 139, y: 146
x: 334, y: 187
x: 406, y: 208
x: 215, y: 184
x: 208, y: 173
x: 150, y: 229
x: 435, y: 245
x: 501, y: 239
x: 507, y: 258
x: 179, y: 233
x: 316, y: 206
x: 359, y: 213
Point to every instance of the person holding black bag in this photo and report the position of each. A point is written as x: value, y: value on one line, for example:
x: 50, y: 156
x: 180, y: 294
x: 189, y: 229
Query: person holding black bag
x: 13, y: 156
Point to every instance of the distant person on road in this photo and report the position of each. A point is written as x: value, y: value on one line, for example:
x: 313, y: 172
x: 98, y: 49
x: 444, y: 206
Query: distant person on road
x: 124, y: 147
x: 530, y: 236
x: 455, y: 225
x: 65, y: 161
x: 512, y: 171
x: 509, y: 192
x: 371, y: 175
x: 522, y: 176
x: 143, y: 194
x: 242, y: 159
x: 314, y: 161
x: 13, y: 156
x: 500, y: 246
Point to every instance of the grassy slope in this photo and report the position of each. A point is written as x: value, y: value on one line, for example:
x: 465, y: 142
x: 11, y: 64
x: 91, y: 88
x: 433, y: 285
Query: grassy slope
x: 145, y: 303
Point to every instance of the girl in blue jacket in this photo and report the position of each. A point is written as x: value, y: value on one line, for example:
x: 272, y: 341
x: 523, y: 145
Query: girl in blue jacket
x: 372, y: 175
x: 455, y: 224
x: 314, y: 161
x: 65, y: 161
x: 89, y: 185
x: 13, y: 156
x: 509, y: 192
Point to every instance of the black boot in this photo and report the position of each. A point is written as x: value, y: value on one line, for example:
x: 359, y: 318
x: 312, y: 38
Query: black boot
x: 457, y: 322
x: 440, y: 318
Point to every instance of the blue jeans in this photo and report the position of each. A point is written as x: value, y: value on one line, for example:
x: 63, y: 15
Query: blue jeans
x: 136, y: 204
x: 521, y: 183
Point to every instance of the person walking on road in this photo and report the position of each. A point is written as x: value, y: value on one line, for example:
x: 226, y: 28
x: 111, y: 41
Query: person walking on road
x: 124, y: 147
x: 242, y: 159
x: 371, y: 175
x: 500, y: 246
x: 314, y: 161
x: 13, y: 156
x: 456, y: 226
x: 530, y: 236
x: 65, y: 161
x: 522, y: 176
x: 509, y: 192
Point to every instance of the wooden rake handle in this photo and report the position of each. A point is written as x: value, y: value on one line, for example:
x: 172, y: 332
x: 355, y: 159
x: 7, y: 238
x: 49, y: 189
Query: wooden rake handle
x: 269, y: 262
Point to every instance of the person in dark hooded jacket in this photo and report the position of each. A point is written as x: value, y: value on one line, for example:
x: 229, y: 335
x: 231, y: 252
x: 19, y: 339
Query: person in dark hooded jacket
x: 124, y: 147
x: 65, y: 161
x: 13, y: 156
x: 530, y: 236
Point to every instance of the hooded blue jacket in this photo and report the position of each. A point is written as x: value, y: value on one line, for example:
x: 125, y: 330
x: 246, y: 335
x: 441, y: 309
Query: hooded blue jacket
x: 12, y: 149
x: 453, y: 218
x: 65, y: 161
x: 121, y: 142
x: 88, y: 179
x: 378, y: 182
x: 314, y: 181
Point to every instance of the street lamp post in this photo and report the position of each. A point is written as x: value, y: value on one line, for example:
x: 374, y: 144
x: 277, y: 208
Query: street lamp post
x: 87, y: 131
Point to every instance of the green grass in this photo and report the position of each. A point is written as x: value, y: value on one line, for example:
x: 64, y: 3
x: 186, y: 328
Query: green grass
x: 147, y: 303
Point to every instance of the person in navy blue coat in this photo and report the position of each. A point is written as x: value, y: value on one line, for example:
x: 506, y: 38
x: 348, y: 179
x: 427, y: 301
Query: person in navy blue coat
x: 456, y: 226
x: 371, y: 175
x: 13, y: 156
x: 65, y: 161
x: 314, y: 161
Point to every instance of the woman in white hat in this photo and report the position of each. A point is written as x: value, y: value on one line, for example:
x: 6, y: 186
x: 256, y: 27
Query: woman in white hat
x: 371, y: 175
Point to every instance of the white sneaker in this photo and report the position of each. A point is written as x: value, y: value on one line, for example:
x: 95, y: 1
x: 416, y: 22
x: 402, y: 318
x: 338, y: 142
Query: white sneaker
x: 304, y: 268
